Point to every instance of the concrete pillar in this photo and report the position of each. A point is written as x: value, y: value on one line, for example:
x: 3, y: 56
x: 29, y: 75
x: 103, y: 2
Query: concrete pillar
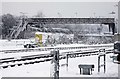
x: 118, y: 17
x: 117, y: 36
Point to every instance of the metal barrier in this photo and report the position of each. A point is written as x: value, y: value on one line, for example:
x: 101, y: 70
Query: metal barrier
x: 86, y: 69
x: 46, y: 57
x: 50, y: 48
x: 102, y: 54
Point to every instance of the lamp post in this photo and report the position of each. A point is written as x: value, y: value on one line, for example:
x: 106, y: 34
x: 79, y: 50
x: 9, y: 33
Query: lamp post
x: 23, y: 15
x: 76, y: 14
x: 94, y: 14
x: 59, y: 15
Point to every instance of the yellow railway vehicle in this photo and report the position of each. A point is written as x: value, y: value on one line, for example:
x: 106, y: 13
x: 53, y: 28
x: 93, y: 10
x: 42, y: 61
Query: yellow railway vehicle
x: 50, y: 39
x: 42, y: 38
x: 38, y: 38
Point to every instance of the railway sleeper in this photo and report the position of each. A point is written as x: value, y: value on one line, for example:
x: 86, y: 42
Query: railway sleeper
x: 31, y: 62
x: 42, y: 61
x: 37, y: 61
x: 48, y: 59
x: 37, y: 57
x: 4, y: 66
x: 80, y: 55
x: 94, y: 54
x: 28, y: 58
x: 46, y: 56
x: 13, y: 61
x: 86, y: 55
x: 33, y: 58
x: 18, y: 60
x: 6, y: 61
x: 19, y: 64
x: 26, y: 63
x: 77, y: 55
x: 12, y: 65
x: 6, y: 58
x: 23, y: 59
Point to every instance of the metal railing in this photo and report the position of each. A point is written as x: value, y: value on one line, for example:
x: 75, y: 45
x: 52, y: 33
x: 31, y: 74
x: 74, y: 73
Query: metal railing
x: 42, y: 58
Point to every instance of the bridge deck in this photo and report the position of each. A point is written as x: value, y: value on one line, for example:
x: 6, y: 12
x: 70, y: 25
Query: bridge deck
x: 71, y: 20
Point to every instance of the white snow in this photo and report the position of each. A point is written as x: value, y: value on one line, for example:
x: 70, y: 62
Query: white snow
x: 20, y: 54
x: 43, y: 69
x: 73, y: 70
x: 18, y: 44
x: 14, y: 44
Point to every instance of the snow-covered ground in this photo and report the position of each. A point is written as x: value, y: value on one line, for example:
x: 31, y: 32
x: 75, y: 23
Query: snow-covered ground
x: 44, y: 69
x: 14, y: 44
x: 18, y: 44
x: 73, y: 70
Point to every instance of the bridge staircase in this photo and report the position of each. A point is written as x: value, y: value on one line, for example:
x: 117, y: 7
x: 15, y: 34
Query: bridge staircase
x: 16, y: 32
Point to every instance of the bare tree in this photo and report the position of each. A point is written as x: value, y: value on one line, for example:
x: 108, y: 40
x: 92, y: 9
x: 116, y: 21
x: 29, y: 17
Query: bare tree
x: 8, y: 21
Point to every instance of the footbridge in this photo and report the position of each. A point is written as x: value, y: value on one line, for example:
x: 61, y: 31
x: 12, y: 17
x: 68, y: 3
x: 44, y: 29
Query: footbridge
x: 71, y: 20
x: 42, y: 21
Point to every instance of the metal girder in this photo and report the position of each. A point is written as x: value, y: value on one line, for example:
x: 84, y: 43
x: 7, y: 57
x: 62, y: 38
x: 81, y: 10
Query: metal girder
x: 71, y: 20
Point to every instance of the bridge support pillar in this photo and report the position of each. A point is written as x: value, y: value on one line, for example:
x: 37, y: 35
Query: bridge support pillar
x: 117, y: 37
x: 112, y: 27
x: 118, y: 28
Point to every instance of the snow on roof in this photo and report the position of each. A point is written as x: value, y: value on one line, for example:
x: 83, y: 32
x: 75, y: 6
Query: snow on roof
x: 117, y: 42
x: 82, y: 45
x: 42, y: 33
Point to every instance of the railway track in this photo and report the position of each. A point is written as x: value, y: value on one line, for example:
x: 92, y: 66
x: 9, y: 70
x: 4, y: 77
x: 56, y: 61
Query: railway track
x: 32, y: 59
x: 56, y: 48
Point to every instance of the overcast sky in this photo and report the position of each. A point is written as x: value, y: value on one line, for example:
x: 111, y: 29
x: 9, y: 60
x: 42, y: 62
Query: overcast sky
x: 65, y: 9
